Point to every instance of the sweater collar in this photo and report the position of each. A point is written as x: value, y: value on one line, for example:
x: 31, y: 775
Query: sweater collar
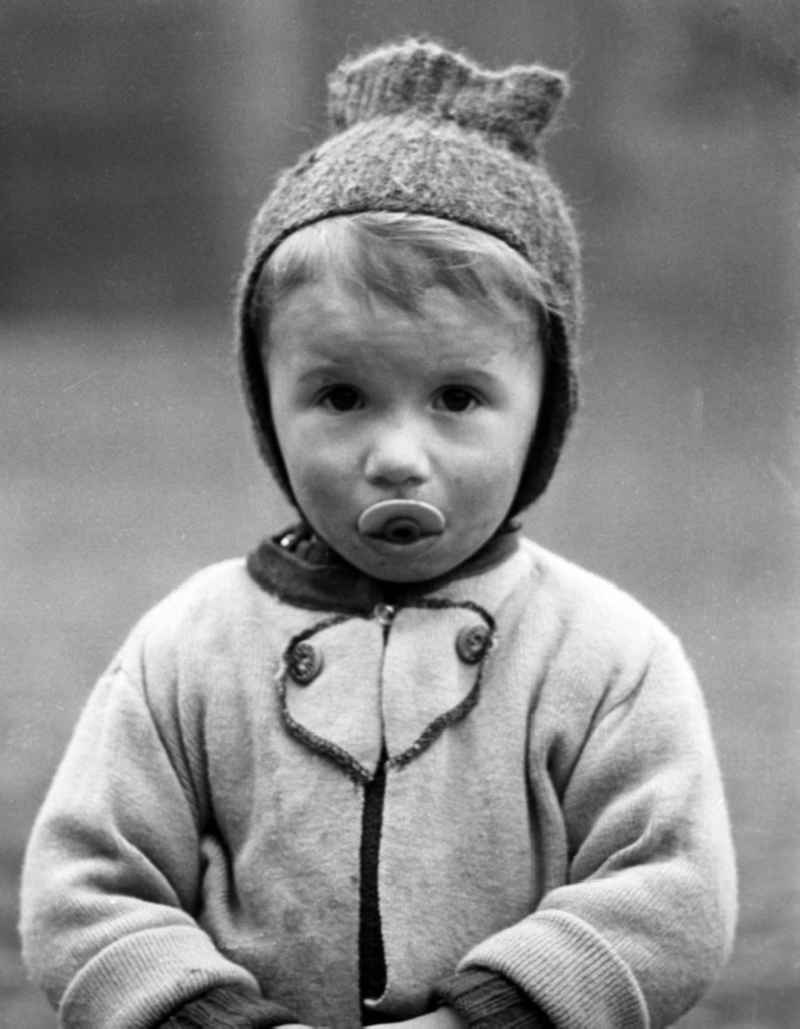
x: 301, y: 570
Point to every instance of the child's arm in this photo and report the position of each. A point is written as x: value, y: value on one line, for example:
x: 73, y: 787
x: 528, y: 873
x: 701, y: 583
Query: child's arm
x: 645, y: 916
x: 113, y: 867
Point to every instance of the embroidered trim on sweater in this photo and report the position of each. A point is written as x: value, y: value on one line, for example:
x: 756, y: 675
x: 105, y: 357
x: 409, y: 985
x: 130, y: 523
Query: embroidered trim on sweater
x: 354, y: 768
x: 435, y: 728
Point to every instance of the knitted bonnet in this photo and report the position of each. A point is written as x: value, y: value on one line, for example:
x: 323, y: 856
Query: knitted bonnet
x: 420, y: 129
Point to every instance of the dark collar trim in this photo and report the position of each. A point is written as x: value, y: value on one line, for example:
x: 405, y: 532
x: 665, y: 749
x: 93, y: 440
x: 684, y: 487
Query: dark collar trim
x: 333, y: 585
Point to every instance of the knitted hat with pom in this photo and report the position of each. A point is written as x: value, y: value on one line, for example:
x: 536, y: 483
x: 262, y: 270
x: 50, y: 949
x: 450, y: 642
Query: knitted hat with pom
x: 420, y: 129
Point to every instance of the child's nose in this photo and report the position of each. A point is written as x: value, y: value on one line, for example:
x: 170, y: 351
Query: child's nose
x: 396, y: 456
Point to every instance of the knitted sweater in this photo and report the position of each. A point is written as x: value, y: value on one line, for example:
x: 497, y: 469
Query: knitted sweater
x: 552, y: 808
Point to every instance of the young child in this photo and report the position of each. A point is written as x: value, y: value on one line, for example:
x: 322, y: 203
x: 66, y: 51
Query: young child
x: 400, y: 765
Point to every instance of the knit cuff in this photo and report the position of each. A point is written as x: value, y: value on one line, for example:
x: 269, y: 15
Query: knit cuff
x: 229, y: 1007
x: 487, y: 1000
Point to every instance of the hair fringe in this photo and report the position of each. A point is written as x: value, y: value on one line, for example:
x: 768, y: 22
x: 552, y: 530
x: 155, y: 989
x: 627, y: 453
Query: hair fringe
x: 397, y: 257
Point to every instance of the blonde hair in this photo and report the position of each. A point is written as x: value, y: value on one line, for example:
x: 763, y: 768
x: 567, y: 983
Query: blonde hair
x: 396, y: 257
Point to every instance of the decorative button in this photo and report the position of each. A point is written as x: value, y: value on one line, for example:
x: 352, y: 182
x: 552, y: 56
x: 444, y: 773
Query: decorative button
x: 472, y: 643
x: 304, y: 663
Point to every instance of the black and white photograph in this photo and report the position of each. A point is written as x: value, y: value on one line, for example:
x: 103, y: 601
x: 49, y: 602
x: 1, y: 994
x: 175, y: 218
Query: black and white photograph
x: 400, y: 607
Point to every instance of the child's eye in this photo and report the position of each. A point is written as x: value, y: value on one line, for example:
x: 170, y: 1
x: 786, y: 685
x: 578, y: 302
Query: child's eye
x: 457, y: 399
x: 340, y: 398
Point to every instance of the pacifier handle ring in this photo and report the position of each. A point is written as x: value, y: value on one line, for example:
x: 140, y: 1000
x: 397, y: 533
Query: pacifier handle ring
x: 401, y: 519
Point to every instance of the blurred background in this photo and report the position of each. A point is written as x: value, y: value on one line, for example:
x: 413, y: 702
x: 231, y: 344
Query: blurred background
x: 139, y: 137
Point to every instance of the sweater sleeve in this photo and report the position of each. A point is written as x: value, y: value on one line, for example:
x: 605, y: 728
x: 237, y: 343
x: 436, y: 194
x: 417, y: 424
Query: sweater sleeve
x: 486, y: 1000
x: 112, y: 870
x: 232, y: 1008
x: 645, y: 917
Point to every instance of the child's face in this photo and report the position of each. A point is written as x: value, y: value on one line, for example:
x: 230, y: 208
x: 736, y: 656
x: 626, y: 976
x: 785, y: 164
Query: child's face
x: 372, y: 403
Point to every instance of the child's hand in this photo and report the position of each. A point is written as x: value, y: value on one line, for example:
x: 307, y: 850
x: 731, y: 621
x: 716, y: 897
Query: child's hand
x: 441, y: 1018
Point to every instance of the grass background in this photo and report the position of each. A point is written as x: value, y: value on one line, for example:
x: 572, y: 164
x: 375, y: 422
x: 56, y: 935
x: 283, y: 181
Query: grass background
x: 126, y: 465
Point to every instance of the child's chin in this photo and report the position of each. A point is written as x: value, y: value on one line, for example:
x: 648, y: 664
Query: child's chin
x: 403, y: 562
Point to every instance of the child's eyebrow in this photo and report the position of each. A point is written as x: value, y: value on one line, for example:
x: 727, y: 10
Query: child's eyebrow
x: 321, y: 366
x: 464, y: 370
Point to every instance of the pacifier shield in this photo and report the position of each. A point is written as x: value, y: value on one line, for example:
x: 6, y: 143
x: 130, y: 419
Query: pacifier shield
x: 401, y: 521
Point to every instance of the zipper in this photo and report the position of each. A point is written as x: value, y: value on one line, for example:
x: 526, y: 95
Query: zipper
x: 371, y: 954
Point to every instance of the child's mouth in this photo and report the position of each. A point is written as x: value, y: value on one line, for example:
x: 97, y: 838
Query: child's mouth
x: 401, y: 522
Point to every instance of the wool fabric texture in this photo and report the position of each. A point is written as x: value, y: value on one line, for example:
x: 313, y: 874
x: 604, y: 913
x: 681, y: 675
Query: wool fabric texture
x: 226, y: 1008
x: 567, y: 832
x: 419, y: 129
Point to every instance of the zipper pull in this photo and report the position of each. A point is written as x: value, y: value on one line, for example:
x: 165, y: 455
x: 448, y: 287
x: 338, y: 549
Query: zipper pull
x: 385, y: 614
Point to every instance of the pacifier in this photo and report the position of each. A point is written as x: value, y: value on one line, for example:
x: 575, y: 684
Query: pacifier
x: 401, y: 521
